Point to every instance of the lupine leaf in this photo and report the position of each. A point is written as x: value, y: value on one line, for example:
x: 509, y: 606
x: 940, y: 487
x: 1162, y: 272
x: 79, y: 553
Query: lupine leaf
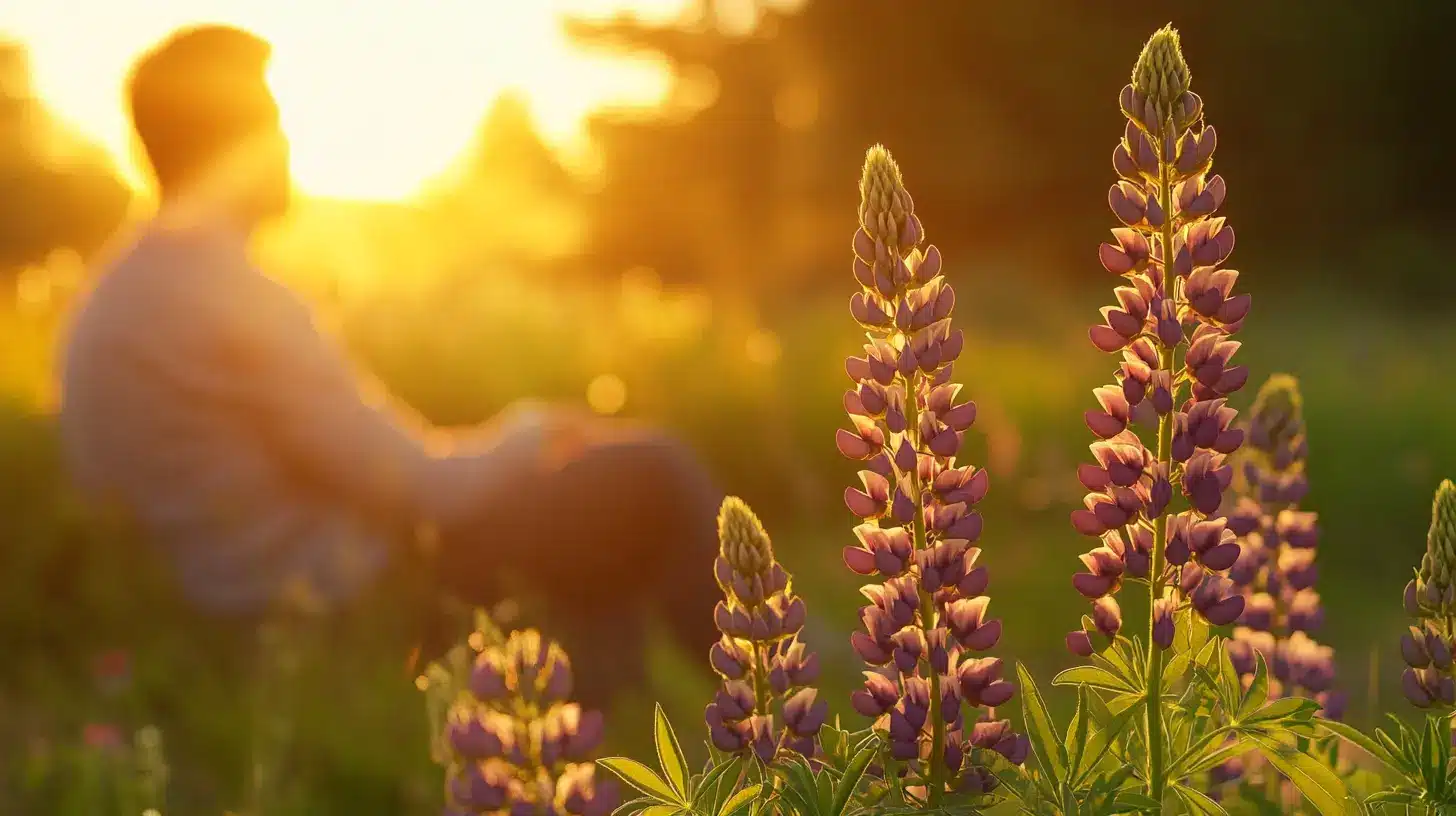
x: 1230, y: 688
x: 640, y: 777
x: 1433, y: 770
x: 1047, y: 746
x: 1197, y: 802
x: 1076, y: 740
x: 1212, y: 755
x: 740, y: 801
x: 634, y: 806
x: 1132, y: 800
x: 1100, y: 740
x: 1176, y: 669
x: 712, y: 781
x: 853, y: 773
x: 1284, y: 708
x: 1095, y: 676
x: 1319, y: 784
x: 670, y: 755
x: 1258, y: 692
x: 661, y: 810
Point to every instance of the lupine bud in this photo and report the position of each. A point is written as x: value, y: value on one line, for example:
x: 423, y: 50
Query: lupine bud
x: 759, y: 657
x: 927, y: 614
x: 1159, y: 80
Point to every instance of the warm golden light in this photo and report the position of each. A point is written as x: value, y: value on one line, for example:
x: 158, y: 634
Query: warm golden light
x: 378, y: 97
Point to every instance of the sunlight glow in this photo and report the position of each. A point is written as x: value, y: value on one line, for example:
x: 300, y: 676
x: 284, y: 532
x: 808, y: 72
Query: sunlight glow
x: 378, y: 97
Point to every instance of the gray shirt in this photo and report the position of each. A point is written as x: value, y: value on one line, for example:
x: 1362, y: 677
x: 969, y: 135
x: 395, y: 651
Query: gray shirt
x: 198, y: 394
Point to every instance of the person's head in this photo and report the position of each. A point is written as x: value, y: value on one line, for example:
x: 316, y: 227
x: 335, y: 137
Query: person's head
x: 203, y: 113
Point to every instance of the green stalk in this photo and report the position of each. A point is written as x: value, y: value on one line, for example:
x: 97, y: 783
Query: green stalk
x: 1156, y: 782
x: 935, y: 782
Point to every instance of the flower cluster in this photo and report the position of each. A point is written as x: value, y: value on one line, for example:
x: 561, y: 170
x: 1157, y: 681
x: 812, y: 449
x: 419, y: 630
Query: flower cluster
x: 1430, y: 597
x: 1276, y: 567
x: 759, y: 657
x: 518, y: 746
x: 1172, y: 326
x: 926, y: 620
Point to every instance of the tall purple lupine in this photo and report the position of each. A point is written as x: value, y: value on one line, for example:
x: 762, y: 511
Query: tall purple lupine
x: 1276, y: 567
x: 926, y: 621
x: 759, y: 657
x: 1172, y: 327
x: 517, y: 745
x: 1430, y: 598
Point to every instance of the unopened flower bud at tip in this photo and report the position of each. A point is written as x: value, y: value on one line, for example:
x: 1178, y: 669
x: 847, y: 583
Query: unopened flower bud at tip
x: 1161, y: 75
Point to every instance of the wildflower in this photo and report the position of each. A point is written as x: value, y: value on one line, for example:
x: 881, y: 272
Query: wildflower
x: 517, y: 743
x: 1276, y: 564
x: 1428, y: 646
x: 1169, y: 249
x: 926, y: 624
x: 759, y: 657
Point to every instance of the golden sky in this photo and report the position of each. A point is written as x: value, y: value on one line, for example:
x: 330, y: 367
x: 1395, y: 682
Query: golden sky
x: 378, y: 96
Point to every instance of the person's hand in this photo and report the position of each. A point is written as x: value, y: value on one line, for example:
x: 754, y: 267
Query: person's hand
x: 533, y: 437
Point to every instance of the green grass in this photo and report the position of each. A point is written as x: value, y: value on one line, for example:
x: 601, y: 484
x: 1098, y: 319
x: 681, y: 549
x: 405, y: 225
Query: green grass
x: 1382, y: 427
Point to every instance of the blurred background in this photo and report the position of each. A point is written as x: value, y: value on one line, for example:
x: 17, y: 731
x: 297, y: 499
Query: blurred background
x: 646, y: 207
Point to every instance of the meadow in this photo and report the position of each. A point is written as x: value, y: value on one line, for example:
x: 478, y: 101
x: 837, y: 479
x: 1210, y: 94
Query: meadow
x: 117, y: 699
x: 356, y: 736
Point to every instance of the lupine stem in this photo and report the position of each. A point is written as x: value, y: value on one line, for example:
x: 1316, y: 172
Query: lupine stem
x: 935, y: 783
x: 1160, y: 527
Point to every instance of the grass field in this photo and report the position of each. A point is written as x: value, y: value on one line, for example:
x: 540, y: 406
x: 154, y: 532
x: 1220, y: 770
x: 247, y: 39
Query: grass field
x: 332, y: 720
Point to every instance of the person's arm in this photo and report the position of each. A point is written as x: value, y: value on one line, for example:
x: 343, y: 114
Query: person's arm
x: 275, y: 367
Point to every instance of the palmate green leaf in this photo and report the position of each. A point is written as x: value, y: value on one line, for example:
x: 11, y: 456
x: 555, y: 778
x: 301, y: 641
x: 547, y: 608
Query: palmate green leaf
x: 853, y: 773
x: 1051, y: 754
x: 1076, y: 740
x: 1292, y: 710
x: 1317, y: 782
x: 1435, y: 756
x: 1095, y: 676
x: 1258, y: 692
x: 661, y: 810
x: 1176, y: 670
x: 712, y: 788
x: 1099, y: 741
x: 633, y: 806
x: 670, y: 755
x: 1211, y: 752
x: 1230, y: 687
x: 1190, y: 634
x: 642, y: 778
x: 1197, y: 802
x: 1134, y: 802
x: 740, y: 802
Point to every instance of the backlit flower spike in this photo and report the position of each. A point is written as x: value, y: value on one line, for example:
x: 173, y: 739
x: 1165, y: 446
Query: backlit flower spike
x: 1430, y: 598
x: 760, y: 659
x: 927, y: 628
x: 1276, y: 567
x: 517, y: 744
x: 1164, y: 424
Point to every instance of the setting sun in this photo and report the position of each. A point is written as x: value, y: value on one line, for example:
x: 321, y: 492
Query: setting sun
x: 378, y: 98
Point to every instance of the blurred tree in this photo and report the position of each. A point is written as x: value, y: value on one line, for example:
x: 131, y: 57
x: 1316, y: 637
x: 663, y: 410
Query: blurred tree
x: 1006, y: 116
x: 61, y: 192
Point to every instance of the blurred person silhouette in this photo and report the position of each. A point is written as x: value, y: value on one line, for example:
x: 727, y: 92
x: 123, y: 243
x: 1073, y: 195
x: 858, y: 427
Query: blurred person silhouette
x: 199, y: 397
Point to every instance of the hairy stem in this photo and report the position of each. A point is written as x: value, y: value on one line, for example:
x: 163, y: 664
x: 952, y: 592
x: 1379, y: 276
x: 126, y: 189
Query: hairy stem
x: 1160, y: 526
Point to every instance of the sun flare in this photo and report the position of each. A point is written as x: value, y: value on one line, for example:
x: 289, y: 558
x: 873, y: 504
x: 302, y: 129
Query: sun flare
x: 378, y: 98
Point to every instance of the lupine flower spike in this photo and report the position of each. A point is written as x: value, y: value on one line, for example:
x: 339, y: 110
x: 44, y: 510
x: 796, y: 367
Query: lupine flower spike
x: 519, y: 747
x: 926, y: 628
x: 1430, y: 598
x: 1171, y: 326
x: 1276, y: 566
x: 759, y: 657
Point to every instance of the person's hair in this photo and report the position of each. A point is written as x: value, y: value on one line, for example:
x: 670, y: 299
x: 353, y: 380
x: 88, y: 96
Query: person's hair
x: 196, y: 94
